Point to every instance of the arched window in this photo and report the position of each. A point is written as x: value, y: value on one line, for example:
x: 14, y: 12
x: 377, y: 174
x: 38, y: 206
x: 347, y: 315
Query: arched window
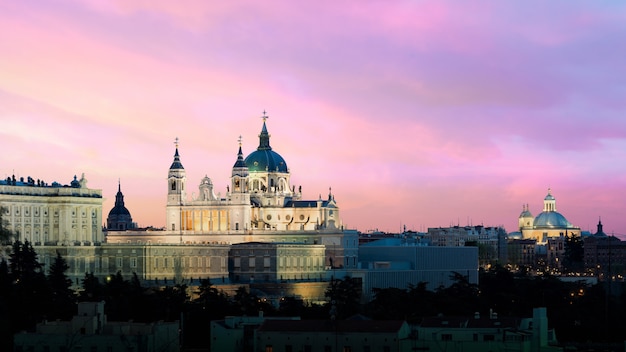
x: 173, y: 185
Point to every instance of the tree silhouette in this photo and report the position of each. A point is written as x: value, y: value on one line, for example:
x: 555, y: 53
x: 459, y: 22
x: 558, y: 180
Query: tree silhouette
x: 6, y: 235
x: 93, y: 290
x: 344, y: 296
x: 63, y: 298
x: 249, y: 303
x: 27, y: 300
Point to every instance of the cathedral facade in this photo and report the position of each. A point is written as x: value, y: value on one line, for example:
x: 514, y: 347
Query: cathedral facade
x: 548, y: 224
x: 260, y: 207
x: 304, y: 239
x: 260, y: 198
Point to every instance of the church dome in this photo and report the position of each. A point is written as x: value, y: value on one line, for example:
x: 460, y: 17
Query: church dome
x: 264, y: 159
x: 119, y: 217
x: 551, y: 219
x: 119, y: 210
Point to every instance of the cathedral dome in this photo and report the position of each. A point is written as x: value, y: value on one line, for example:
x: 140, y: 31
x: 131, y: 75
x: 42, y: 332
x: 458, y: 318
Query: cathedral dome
x: 119, y: 210
x: 119, y: 217
x: 551, y: 219
x: 264, y: 159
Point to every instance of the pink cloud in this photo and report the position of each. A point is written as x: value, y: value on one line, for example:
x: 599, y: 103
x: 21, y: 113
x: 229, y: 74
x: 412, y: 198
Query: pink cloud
x: 415, y: 113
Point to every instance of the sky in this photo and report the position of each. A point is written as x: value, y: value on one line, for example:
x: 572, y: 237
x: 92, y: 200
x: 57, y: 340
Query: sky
x: 416, y: 113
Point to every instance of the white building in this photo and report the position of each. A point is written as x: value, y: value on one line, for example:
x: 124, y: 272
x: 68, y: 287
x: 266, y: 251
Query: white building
x: 260, y: 205
x: 260, y: 197
x: 53, y: 214
x: 549, y: 223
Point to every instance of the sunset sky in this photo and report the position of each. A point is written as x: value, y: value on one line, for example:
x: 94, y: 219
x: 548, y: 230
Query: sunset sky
x: 416, y: 113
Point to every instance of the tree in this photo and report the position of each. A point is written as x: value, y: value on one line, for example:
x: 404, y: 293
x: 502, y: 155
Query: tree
x: 6, y: 235
x: 249, y: 303
x: 389, y: 304
x: 24, y: 263
x: 93, y: 290
x: 345, y: 296
x: 63, y: 298
x: 171, y: 300
x: 459, y: 298
x: 30, y: 294
x: 117, y: 297
x: 212, y: 300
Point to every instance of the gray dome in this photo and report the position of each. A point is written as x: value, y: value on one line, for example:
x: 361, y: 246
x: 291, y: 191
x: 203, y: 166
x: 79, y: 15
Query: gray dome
x: 551, y: 219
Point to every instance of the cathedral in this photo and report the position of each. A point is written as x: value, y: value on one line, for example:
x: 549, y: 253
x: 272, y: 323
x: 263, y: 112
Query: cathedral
x: 119, y: 218
x: 260, y: 230
x: 260, y: 198
x: 204, y: 234
x: 548, y: 224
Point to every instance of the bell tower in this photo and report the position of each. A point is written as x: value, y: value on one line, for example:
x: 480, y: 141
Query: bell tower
x: 239, y: 195
x: 176, y: 195
x: 549, y: 202
x: 239, y: 176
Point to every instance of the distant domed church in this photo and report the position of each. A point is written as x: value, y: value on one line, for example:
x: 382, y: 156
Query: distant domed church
x: 119, y: 218
x: 549, y: 223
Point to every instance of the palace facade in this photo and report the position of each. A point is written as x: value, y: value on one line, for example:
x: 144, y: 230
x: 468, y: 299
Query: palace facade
x: 261, y: 207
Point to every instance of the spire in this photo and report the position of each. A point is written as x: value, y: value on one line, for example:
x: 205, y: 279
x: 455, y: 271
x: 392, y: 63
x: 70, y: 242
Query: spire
x: 240, y: 162
x: 176, y: 164
x: 264, y: 137
x: 600, y: 232
x: 119, y: 197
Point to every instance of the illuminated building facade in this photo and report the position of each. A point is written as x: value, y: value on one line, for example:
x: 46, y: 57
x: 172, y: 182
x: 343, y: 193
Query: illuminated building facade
x: 260, y: 198
x: 260, y: 208
x: 52, y: 214
x: 260, y: 205
x: 548, y: 224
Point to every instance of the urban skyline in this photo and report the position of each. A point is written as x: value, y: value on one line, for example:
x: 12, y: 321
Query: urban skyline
x: 415, y: 113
